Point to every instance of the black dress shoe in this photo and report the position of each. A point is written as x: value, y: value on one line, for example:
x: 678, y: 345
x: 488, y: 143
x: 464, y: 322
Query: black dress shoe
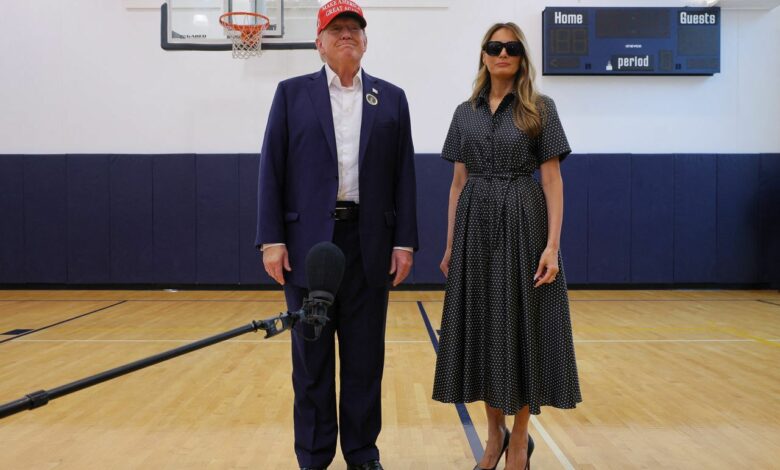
x: 370, y: 465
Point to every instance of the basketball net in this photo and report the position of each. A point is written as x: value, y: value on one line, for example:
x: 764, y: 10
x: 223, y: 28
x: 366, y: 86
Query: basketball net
x: 245, y: 31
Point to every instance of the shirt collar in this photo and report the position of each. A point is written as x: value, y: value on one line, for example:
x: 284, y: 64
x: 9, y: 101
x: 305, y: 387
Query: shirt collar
x: 484, y: 95
x: 333, y: 79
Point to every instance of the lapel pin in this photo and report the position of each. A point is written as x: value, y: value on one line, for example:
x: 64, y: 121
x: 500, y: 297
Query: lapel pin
x: 371, y: 99
x: 374, y: 90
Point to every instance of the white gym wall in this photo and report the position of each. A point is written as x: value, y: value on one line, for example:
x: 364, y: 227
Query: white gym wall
x: 89, y: 76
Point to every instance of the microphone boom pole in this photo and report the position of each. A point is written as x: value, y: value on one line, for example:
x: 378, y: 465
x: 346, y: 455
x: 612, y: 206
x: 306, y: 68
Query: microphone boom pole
x: 324, y: 269
x: 271, y: 326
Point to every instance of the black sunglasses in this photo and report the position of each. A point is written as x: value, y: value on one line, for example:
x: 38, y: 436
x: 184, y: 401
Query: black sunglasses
x: 513, y: 48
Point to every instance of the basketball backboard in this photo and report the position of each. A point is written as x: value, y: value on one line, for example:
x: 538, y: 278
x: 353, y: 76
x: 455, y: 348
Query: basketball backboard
x: 194, y: 24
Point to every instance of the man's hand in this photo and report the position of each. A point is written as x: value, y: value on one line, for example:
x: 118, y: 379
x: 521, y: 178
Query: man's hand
x: 400, y: 264
x: 274, y: 259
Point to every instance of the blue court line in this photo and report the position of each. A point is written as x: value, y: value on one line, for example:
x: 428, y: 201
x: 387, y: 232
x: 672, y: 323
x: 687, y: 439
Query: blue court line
x: 463, y: 413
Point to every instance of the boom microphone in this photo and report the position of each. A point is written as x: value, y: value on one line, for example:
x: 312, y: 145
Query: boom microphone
x: 324, y: 271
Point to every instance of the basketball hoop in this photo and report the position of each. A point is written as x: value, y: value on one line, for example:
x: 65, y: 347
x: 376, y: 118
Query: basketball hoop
x: 245, y: 30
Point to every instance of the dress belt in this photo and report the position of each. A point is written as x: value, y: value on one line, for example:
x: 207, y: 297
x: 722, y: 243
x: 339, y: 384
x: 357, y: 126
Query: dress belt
x: 500, y: 176
x: 496, y: 221
x: 346, y: 211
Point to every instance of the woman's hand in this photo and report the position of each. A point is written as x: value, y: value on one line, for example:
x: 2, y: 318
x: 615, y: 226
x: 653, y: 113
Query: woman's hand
x: 548, y: 267
x: 445, y: 262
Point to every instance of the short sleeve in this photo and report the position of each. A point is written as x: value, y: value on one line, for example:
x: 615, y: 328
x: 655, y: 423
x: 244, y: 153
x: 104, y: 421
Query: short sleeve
x: 452, y: 150
x: 552, y: 140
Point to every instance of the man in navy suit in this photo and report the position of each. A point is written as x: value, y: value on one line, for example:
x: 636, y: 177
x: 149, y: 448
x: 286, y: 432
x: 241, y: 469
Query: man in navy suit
x: 337, y: 164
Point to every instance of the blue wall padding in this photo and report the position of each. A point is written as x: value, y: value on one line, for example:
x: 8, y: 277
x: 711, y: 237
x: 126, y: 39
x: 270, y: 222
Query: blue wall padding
x: 12, y: 252
x: 89, y: 235
x: 652, y: 218
x: 132, y: 222
x: 251, y: 262
x: 191, y: 219
x: 217, y: 219
x: 609, y: 219
x: 769, y: 214
x: 45, y: 219
x: 695, y: 218
x: 434, y: 177
x: 175, y: 219
x: 738, y: 220
x: 574, y: 236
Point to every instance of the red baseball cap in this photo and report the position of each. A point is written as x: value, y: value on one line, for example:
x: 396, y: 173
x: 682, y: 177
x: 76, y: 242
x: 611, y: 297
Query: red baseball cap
x: 334, y: 8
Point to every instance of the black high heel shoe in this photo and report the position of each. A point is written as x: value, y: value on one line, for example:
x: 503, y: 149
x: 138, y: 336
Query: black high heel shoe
x: 504, y: 448
x: 530, y: 451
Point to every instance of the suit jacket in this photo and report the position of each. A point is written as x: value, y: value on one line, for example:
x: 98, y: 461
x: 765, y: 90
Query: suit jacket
x: 299, y: 174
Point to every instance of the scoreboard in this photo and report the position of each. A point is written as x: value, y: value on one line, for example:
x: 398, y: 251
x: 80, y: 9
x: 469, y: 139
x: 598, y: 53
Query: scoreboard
x: 631, y: 41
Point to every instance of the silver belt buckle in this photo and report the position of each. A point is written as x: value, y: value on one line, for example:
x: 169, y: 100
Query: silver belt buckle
x: 337, y: 211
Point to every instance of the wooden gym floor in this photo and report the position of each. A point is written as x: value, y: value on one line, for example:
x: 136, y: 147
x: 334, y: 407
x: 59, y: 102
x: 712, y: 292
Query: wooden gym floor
x: 670, y: 379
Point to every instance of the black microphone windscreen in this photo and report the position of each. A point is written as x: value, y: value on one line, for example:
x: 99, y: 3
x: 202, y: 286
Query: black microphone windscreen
x: 325, y: 267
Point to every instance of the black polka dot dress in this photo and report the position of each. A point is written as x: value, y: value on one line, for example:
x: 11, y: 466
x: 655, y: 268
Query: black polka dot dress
x: 502, y: 340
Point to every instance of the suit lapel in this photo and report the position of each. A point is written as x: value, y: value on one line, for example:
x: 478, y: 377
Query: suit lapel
x: 369, y: 112
x: 320, y: 98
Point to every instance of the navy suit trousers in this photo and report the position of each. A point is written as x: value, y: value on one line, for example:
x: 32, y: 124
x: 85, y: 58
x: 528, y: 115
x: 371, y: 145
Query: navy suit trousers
x: 357, y: 317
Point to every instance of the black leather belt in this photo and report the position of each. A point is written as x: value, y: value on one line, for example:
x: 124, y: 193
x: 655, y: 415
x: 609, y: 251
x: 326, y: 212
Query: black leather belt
x: 345, y: 211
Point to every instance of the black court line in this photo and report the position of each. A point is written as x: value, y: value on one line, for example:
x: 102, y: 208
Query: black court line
x: 160, y: 300
x: 61, y: 322
x: 463, y: 413
x: 149, y: 300
x: 769, y: 302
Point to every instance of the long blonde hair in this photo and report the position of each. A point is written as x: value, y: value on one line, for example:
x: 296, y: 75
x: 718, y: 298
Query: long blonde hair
x: 527, y: 115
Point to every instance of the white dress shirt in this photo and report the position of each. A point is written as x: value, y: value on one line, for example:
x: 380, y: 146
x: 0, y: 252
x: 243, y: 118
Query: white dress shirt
x: 346, y: 104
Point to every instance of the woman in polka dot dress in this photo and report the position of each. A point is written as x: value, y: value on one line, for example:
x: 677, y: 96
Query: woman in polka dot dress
x: 506, y: 333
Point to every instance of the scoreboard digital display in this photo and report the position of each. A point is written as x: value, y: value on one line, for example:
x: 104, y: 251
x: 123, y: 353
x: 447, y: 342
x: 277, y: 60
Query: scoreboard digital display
x: 631, y: 41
